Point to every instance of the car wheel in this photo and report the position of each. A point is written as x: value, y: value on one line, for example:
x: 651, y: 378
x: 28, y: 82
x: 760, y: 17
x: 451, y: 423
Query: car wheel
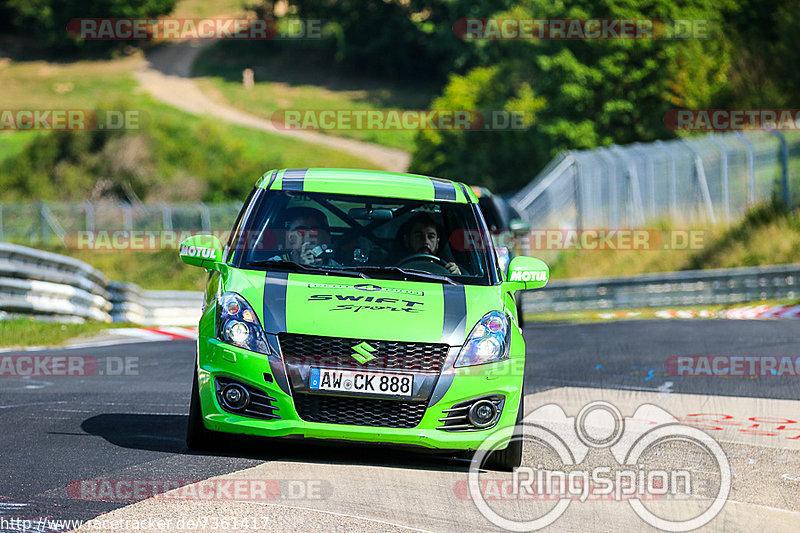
x: 510, y: 458
x: 198, y: 437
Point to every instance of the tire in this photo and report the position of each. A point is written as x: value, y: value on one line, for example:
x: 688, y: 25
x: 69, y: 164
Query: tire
x: 198, y: 437
x: 511, y: 457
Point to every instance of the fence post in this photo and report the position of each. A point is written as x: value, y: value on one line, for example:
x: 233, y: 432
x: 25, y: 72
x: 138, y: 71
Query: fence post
x: 45, y: 234
x: 725, y: 181
x: 578, y: 192
x: 651, y: 178
x: 701, y: 178
x: 127, y: 217
x: 613, y: 192
x: 166, y: 217
x: 636, y: 205
x: 205, y: 217
x: 673, y: 179
x: 784, y: 167
x: 1, y: 223
x: 88, y: 208
x: 751, y: 168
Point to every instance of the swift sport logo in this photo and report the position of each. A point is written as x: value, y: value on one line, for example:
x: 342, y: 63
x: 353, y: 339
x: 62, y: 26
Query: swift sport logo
x: 529, y: 275
x: 363, y: 353
x: 356, y: 303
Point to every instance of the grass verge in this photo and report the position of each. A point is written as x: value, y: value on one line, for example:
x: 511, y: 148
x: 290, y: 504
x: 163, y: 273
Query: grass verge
x: 170, y: 156
x: 303, y: 77
x: 24, y: 332
x: 768, y: 235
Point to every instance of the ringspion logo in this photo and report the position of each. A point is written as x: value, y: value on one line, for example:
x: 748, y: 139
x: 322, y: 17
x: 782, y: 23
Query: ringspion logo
x: 647, y: 466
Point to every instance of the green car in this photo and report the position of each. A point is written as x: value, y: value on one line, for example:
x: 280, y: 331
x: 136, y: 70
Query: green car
x: 360, y: 306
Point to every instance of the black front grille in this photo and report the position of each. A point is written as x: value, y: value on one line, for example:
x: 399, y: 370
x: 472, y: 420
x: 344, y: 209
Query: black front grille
x: 337, y: 352
x: 359, y: 411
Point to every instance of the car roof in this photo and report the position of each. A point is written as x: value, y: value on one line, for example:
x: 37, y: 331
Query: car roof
x: 368, y: 183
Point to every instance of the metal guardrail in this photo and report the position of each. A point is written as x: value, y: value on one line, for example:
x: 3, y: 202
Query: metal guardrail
x: 158, y: 308
x: 56, y: 287
x: 33, y: 282
x: 691, y: 287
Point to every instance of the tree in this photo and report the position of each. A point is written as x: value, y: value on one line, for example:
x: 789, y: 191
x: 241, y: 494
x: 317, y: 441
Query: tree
x: 575, y: 93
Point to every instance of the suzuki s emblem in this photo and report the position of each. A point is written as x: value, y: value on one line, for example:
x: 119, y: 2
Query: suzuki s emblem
x: 363, y: 353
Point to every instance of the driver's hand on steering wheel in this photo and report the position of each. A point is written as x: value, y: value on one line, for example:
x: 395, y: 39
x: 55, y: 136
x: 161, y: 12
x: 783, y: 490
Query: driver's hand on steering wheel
x: 453, y: 268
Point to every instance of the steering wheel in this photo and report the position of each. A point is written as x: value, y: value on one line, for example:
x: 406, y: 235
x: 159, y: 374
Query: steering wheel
x: 427, y: 262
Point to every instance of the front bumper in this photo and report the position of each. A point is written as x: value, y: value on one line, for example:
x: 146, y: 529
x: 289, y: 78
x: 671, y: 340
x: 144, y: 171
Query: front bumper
x: 216, y: 359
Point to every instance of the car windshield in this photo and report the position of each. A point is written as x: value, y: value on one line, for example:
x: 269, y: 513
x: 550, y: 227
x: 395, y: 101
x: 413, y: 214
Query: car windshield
x: 364, y: 236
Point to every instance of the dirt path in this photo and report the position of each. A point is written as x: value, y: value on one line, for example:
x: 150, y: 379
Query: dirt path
x: 166, y: 76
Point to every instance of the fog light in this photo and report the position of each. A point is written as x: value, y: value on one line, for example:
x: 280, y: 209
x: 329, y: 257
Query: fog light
x: 482, y: 413
x: 235, y: 396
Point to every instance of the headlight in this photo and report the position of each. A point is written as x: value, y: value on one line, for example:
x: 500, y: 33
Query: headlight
x: 487, y: 342
x: 238, y: 324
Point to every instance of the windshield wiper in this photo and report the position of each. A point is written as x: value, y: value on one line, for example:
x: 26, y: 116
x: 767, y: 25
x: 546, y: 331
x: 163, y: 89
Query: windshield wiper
x: 284, y: 264
x: 406, y: 272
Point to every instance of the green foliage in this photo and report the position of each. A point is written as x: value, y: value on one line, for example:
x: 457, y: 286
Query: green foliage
x: 163, y: 160
x: 764, y: 58
x: 398, y: 38
x: 46, y: 20
x: 576, y: 93
x: 757, y: 218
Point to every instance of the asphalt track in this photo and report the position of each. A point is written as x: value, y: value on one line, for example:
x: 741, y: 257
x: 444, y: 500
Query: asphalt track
x: 61, y: 430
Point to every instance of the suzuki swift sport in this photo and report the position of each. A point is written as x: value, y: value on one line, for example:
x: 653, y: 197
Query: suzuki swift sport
x: 360, y: 306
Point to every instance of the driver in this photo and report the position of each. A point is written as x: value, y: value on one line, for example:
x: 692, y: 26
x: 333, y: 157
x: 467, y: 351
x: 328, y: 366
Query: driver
x: 422, y: 237
x: 308, y: 237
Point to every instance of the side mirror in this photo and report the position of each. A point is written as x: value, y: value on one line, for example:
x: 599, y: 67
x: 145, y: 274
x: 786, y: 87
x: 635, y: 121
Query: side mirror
x: 202, y: 250
x: 527, y: 273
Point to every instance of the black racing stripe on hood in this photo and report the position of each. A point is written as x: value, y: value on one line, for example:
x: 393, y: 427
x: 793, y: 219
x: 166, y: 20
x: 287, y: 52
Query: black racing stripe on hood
x: 275, y: 285
x: 293, y: 179
x: 443, y: 190
x: 455, y: 314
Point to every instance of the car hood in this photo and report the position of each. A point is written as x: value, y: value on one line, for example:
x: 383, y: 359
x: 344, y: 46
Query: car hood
x: 335, y: 306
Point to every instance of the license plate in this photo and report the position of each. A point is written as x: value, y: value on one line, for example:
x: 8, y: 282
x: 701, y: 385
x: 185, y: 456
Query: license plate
x: 401, y: 385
